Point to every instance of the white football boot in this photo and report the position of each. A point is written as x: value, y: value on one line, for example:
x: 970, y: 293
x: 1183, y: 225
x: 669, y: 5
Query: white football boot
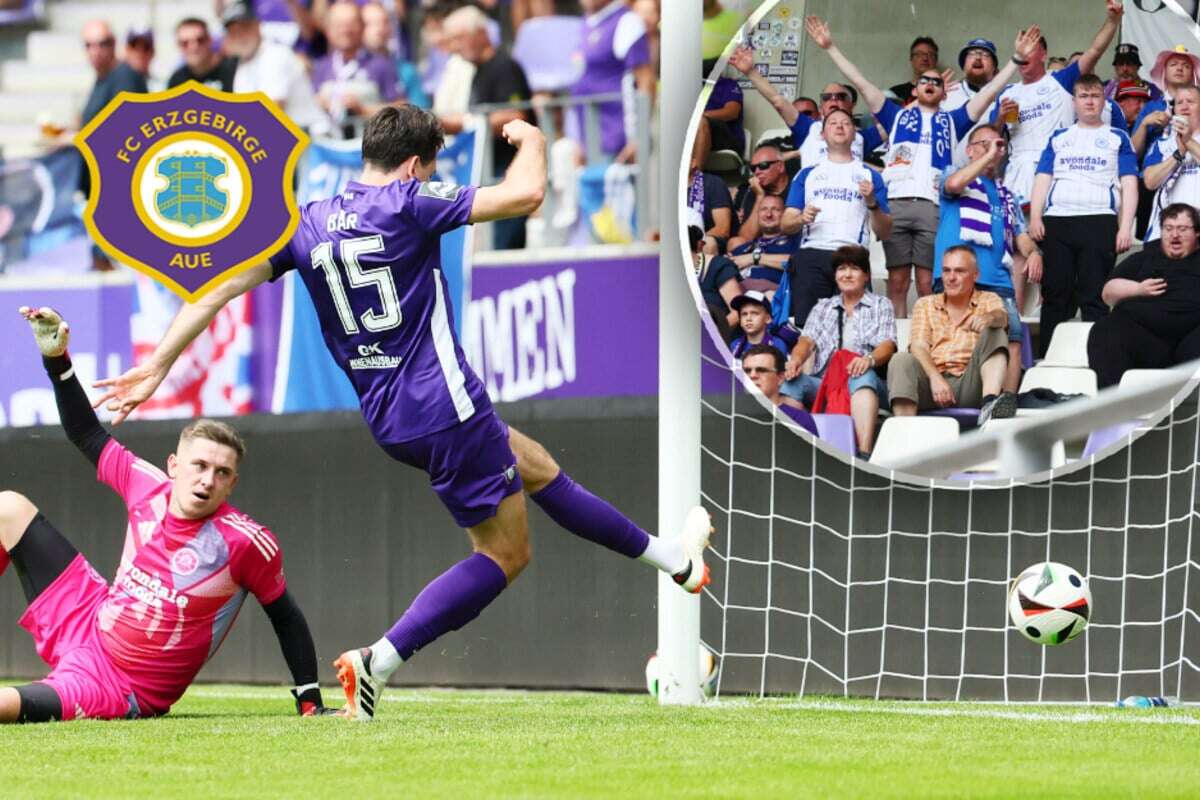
x: 362, y: 689
x: 697, y: 529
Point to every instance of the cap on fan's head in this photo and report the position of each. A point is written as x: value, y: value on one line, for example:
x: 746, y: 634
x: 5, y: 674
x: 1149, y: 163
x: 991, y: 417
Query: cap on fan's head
x: 140, y: 35
x: 238, y: 11
x: 977, y: 44
x: 1128, y: 89
x: 752, y: 297
x: 1127, y: 54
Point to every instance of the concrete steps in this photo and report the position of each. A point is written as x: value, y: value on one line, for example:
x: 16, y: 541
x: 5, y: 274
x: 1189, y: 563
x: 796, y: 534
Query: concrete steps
x: 24, y: 107
x: 54, y: 78
x: 55, y: 48
x: 23, y: 76
x: 20, y: 139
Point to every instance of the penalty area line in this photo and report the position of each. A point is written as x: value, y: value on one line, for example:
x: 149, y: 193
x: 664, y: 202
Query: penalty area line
x: 1159, y: 717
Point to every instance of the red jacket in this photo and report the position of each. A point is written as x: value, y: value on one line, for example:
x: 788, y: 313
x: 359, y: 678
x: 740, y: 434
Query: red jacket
x: 834, y: 395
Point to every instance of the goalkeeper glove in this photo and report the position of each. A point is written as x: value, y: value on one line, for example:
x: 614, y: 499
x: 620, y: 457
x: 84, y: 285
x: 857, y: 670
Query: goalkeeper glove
x: 49, y: 330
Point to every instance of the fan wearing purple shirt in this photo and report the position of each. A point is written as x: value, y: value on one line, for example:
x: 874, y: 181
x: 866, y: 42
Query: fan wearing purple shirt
x: 616, y: 58
x: 352, y: 82
x: 370, y: 258
x: 763, y: 365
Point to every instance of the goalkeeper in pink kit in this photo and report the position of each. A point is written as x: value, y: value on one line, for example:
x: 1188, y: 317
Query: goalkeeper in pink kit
x: 131, y: 649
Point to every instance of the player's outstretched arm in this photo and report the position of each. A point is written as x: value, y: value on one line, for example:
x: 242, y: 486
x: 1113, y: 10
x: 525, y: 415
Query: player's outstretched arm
x: 129, y: 390
x: 296, y: 642
x: 524, y: 185
x: 74, y: 411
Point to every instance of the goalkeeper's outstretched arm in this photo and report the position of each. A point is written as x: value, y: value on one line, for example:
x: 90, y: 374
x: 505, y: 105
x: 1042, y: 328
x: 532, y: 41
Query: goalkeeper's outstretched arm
x: 296, y: 642
x: 126, y: 392
x: 74, y: 411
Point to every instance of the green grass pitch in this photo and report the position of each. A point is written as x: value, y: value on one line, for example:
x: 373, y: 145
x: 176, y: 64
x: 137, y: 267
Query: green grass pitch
x: 237, y: 741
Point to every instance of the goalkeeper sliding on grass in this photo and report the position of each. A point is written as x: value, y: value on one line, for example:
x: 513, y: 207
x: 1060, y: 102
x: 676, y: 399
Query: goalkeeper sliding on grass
x: 370, y: 258
x: 131, y: 649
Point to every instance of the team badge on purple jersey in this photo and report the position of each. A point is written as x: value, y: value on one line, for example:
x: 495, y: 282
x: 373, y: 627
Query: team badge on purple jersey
x: 192, y: 185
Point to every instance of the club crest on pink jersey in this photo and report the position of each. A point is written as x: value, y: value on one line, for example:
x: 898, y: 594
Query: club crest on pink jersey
x: 184, y: 561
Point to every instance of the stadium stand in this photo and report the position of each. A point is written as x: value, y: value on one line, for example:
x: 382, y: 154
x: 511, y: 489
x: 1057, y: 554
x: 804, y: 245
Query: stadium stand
x: 48, y: 86
x: 1068, y: 346
x: 902, y: 436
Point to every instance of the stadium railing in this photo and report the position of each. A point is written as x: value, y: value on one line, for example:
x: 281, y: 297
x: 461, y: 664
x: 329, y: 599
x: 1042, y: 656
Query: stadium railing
x: 1025, y: 448
x: 646, y: 214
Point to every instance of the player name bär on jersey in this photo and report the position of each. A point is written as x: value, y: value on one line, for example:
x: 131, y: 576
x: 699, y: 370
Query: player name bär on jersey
x: 371, y: 357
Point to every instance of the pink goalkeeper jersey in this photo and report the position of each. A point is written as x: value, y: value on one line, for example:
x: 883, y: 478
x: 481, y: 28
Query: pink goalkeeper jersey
x: 180, y: 584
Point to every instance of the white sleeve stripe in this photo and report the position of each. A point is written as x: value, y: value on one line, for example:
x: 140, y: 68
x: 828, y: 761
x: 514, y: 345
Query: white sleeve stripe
x: 150, y: 469
x: 629, y: 30
x: 257, y: 544
x: 260, y: 540
x: 66, y: 376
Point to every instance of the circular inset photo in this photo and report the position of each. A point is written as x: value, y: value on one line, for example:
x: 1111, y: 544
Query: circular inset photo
x: 965, y: 262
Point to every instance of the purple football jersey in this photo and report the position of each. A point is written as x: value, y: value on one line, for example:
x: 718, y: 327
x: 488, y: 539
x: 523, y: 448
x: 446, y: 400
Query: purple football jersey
x: 614, y: 43
x: 371, y: 260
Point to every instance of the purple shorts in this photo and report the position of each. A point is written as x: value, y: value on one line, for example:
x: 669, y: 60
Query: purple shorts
x: 65, y: 629
x: 470, y: 466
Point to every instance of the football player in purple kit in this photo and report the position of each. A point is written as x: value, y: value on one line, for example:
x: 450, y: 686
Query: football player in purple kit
x: 370, y: 259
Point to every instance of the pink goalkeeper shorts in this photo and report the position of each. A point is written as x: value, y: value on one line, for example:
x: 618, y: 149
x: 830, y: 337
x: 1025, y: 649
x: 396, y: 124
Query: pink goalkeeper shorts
x: 63, y: 623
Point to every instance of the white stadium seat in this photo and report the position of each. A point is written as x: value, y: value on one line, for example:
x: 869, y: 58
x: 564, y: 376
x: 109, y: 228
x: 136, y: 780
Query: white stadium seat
x: 1139, y: 377
x: 900, y: 437
x: 771, y: 135
x: 722, y: 161
x: 903, y: 334
x: 1064, y: 380
x: 1068, y: 346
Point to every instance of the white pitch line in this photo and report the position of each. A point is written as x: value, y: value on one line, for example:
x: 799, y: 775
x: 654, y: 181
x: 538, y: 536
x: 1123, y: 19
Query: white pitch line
x: 497, y: 696
x: 400, y: 695
x: 1167, y: 717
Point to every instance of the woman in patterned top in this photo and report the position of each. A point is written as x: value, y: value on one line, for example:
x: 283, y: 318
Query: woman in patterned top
x: 854, y: 320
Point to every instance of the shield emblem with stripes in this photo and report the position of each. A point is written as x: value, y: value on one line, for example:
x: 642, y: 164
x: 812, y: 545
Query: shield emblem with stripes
x: 191, y: 196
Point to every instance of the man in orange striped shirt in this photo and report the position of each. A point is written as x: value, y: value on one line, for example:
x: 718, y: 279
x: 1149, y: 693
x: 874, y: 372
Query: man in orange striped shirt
x: 958, y: 351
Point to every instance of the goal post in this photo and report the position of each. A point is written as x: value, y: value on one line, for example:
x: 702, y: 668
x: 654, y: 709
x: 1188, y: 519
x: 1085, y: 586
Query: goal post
x: 678, y: 362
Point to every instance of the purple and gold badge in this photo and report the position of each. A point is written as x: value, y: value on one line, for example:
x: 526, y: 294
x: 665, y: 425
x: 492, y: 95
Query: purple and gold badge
x: 192, y: 185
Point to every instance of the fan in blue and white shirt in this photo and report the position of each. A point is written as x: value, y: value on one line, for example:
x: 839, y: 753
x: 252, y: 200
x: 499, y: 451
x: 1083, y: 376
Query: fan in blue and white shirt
x: 1042, y: 104
x: 921, y: 143
x: 1087, y: 175
x: 1172, y: 166
x: 807, y: 133
x: 830, y: 205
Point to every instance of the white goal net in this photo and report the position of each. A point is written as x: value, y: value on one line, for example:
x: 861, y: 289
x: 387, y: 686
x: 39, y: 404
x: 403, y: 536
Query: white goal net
x: 832, y: 578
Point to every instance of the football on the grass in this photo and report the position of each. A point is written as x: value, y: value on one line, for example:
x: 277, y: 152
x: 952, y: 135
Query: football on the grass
x: 1049, y: 603
x: 709, y: 672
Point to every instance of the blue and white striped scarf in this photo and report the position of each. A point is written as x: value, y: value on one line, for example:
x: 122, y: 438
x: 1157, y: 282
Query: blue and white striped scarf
x: 908, y: 130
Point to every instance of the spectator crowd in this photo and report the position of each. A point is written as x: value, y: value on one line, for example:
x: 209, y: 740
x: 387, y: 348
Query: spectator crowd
x: 1013, y: 171
x: 331, y: 64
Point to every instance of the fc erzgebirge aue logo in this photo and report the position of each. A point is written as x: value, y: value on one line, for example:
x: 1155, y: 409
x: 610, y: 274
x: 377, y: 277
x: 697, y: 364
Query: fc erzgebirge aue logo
x: 192, y: 185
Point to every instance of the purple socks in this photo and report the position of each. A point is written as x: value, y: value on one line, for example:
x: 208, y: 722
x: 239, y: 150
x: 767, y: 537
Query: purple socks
x: 579, y: 511
x: 456, y: 597
x: 450, y: 601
